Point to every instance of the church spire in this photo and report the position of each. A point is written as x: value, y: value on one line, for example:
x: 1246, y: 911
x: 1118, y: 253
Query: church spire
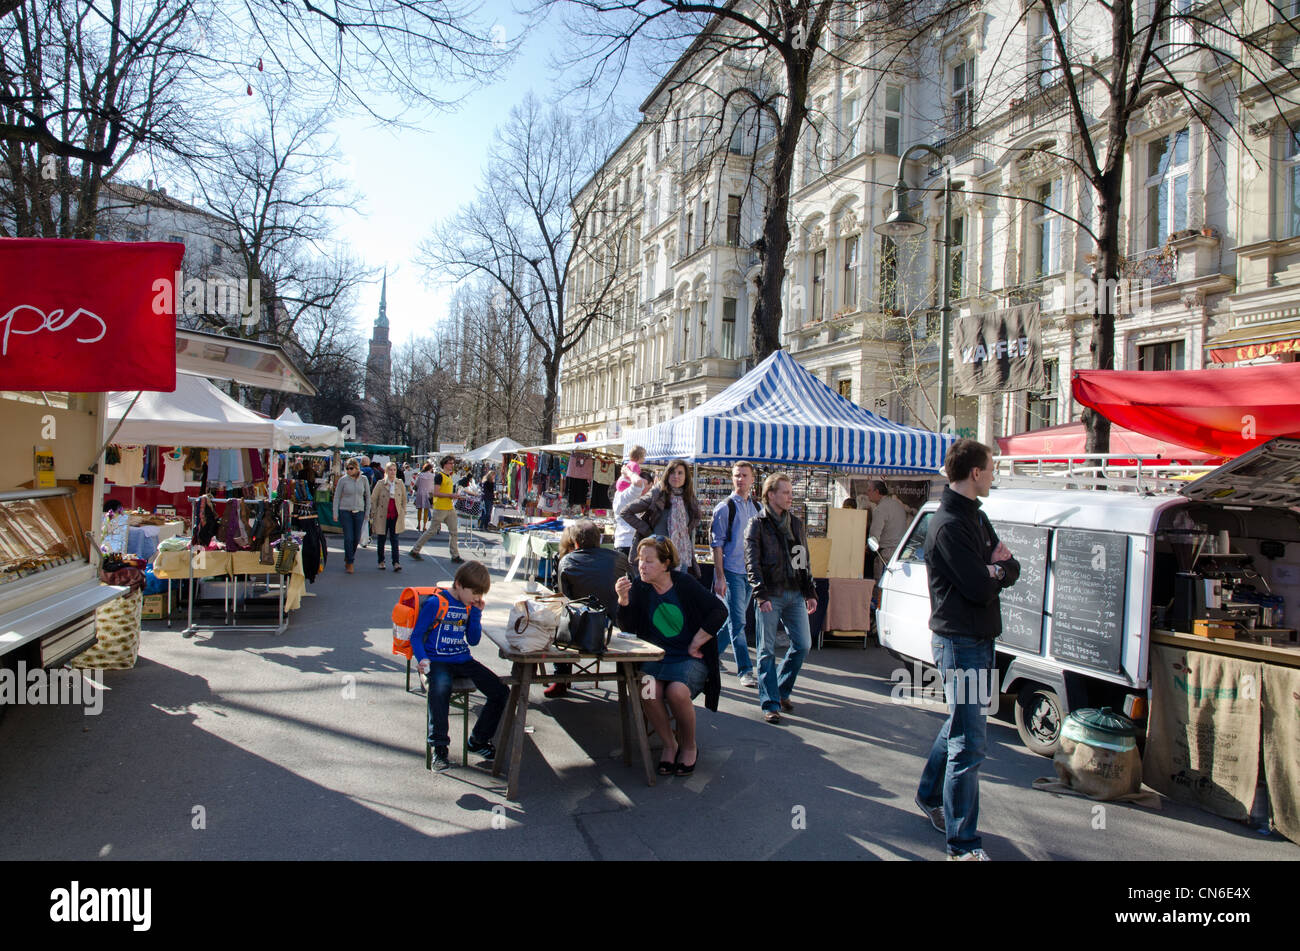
x: 383, y: 303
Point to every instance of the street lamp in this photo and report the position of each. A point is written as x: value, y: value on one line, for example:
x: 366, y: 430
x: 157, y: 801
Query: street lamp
x: 901, y: 225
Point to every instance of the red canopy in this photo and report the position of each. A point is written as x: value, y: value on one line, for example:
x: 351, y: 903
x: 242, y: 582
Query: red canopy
x: 1226, y: 412
x: 1069, y: 438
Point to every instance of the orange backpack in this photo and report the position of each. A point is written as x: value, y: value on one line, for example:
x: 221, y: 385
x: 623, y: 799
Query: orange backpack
x: 407, y: 611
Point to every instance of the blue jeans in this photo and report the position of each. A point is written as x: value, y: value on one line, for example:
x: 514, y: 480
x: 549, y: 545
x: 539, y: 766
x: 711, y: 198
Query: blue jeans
x: 952, y: 773
x: 775, y: 685
x: 488, y: 683
x: 734, y: 630
x: 351, y: 523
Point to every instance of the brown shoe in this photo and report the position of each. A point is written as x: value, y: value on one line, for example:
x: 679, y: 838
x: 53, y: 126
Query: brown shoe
x: 350, y: 571
x: 771, y: 716
x: 556, y: 690
x: 787, y: 706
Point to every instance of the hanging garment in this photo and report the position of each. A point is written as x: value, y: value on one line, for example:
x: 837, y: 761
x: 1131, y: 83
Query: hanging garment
x: 174, y: 475
x: 206, y: 525
x: 604, y: 473
x: 577, y: 491
x: 599, y: 496
x: 129, y: 469
x: 311, y: 552
x: 580, y: 466
x: 233, y: 530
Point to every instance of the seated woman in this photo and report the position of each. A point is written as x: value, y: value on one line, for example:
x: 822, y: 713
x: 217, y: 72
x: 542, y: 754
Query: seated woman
x: 672, y: 610
x: 586, y: 571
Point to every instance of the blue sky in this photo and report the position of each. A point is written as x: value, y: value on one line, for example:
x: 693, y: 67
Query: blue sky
x: 412, y: 178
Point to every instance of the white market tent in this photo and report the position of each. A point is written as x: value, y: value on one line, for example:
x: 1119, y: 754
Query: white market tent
x: 781, y: 413
x: 196, y: 413
x: 290, y: 430
x: 493, y: 450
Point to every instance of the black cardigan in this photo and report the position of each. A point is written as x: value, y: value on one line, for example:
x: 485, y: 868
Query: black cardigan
x: 701, y: 609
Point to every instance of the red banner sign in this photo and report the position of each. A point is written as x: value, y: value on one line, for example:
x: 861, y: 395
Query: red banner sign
x: 78, y: 315
x: 1251, y: 351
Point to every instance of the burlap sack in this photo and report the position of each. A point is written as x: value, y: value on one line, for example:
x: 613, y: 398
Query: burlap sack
x: 1203, y: 734
x: 1281, y: 721
x: 117, y: 627
x: 1096, y: 772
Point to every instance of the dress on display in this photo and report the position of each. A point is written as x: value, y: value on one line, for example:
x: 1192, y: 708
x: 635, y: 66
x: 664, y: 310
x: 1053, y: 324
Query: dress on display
x: 173, y: 471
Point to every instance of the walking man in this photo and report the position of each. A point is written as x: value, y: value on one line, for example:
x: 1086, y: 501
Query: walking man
x: 730, y: 519
x: 968, y: 566
x: 441, y: 512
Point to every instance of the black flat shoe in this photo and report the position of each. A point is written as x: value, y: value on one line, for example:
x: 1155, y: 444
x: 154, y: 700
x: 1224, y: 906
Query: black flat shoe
x: 683, y: 770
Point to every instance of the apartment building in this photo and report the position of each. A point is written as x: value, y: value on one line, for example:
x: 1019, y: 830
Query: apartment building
x: 1210, y: 227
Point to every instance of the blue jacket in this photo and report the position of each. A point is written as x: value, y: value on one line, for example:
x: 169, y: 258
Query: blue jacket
x: 447, y: 641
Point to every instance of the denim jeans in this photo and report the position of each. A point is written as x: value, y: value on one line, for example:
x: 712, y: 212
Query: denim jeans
x: 775, y: 685
x: 351, y: 523
x: 390, y: 533
x: 485, y: 519
x: 952, y: 773
x: 488, y: 683
x: 734, y: 630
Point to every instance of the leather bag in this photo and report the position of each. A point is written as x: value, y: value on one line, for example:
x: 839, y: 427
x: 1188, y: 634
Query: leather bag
x: 535, y: 622
x: 589, y: 627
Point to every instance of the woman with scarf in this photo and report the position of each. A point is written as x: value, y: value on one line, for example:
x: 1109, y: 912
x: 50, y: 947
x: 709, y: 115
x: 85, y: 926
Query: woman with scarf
x: 669, y: 509
x: 776, y: 561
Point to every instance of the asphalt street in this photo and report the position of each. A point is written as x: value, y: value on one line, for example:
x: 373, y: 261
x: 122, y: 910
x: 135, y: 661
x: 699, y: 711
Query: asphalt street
x: 307, y: 746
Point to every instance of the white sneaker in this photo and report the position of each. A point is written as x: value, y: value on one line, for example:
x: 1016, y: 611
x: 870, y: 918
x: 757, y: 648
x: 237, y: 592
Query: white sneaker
x: 974, y: 855
x: 747, y: 679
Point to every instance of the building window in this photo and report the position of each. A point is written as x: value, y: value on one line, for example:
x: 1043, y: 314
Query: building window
x: 845, y: 389
x: 1161, y: 356
x: 1048, y: 66
x: 850, y: 114
x: 216, y: 253
x: 729, y: 328
x: 893, y: 120
x: 851, y: 272
x: 1040, y: 408
x: 1047, y: 230
x: 704, y: 226
x: 888, y: 275
x: 957, y: 255
x: 962, y: 97
x: 818, y: 285
x: 733, y: 220
x: 702, y: 318
x: 690, y: 233
x: 1293, y: 178
x: 1167, y: 178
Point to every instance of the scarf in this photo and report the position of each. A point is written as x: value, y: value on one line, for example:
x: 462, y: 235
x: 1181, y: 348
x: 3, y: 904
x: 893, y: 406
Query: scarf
x: 786, y: 530
x: 679, y: 530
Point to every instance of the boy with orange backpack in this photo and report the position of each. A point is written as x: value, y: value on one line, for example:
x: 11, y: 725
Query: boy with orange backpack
x: 449, y: 624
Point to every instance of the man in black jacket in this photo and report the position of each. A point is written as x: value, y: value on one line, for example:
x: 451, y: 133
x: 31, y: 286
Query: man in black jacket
x: 968, y: 566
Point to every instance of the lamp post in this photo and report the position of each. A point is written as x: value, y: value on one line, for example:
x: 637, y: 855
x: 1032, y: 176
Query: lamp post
x: 899, y: 225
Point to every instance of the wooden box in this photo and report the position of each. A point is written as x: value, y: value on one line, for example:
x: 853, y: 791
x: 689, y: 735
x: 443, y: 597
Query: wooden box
x: 155, y: 607
x: 1203, y: 627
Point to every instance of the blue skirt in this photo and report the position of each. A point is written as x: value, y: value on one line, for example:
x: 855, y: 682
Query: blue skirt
x: 692, y: 672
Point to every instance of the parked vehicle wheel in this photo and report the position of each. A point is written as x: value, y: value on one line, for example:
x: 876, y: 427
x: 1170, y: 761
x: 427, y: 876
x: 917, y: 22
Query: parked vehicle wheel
x: 1040, y: 715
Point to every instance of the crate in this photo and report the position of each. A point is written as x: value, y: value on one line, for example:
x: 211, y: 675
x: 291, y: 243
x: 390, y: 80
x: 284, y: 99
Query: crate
x: 1224, y: 630
x: 155, y: 607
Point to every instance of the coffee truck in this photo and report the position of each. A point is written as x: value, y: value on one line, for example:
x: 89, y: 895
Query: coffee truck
x: 1103, y: 572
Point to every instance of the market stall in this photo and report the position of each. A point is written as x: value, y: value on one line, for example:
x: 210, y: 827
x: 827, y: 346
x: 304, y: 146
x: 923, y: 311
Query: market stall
x: 780, y: 416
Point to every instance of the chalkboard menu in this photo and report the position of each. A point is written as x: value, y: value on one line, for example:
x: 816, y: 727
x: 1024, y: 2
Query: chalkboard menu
x: 1022, y: 603
x: 1088, y: 598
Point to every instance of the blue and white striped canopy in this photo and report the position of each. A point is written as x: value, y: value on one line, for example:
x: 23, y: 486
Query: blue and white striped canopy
x: 781, y: 413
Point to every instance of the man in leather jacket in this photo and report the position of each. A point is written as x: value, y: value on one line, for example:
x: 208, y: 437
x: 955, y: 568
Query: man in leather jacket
x: 967, y: 566
x: 778, y: 569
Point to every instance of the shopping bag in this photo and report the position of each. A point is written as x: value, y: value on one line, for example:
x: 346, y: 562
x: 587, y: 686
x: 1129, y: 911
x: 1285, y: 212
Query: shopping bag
x: 535, y: 622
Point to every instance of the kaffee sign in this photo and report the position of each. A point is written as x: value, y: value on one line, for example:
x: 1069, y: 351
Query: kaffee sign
x: 79, y: 316
x: 999, y: 351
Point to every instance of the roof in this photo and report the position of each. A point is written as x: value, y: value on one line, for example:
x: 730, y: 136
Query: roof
x: 780, y: 413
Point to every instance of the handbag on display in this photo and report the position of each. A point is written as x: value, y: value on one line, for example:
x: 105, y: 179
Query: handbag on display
x: 286, y: 553
x: 535, y: 622
x: 589, y: 627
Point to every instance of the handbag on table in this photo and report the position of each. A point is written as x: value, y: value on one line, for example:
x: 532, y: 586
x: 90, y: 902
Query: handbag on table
x: 535, y: 622
x: 589, y: 627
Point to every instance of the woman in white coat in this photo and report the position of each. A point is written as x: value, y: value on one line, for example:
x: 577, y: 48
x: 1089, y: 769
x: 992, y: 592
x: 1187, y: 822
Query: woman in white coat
x: 388, y: 513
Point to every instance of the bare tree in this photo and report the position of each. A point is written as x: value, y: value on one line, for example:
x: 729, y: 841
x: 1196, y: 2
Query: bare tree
x: 532, y: 229
x: 1109, y: 61
x: 770, y: 51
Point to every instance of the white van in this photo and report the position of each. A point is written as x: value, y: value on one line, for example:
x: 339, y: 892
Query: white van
x: 1099, y: 569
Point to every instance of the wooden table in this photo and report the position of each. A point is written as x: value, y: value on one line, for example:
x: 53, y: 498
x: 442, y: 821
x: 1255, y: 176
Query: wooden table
x: 529, y: 670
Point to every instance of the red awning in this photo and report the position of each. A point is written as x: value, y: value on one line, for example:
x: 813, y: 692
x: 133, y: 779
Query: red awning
x: 81, y: 316
x: 1070, y: 438
x: 1226, y: 412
